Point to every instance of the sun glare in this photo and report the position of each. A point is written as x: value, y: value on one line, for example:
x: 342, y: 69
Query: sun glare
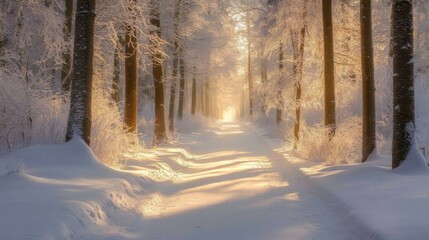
x: 229, y: 114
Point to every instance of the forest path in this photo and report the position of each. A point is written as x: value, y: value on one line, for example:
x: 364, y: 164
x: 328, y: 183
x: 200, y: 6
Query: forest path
x: 235, y: 187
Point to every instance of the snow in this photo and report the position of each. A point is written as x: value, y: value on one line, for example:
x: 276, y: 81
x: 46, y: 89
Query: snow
x: 383, y: 203
x: 415, y: 162
x: 62, y: 192
x: 228, y: 181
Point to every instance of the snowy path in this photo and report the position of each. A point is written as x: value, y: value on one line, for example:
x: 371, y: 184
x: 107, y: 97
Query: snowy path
x: 235, y: 187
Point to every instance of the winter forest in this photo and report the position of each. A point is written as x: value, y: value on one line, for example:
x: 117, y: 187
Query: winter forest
x: 214, y: 119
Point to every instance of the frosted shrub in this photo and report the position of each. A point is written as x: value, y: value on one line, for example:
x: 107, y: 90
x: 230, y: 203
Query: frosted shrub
x: 313, y: 141
x: 109, y: 141
x: 344, y: 147
x: 29, y: 114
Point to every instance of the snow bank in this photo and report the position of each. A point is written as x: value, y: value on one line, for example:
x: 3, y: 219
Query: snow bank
x: 380, y: 202
x: 63, y: 192
x: 390, y: 202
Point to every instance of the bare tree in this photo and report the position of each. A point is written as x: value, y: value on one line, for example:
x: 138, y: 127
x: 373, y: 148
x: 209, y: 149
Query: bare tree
x: 298, y: 71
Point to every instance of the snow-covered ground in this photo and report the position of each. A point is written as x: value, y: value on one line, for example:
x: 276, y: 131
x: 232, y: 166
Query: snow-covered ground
x: 226, y: 182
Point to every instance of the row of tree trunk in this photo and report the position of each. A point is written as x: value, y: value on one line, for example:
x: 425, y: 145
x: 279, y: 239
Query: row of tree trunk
x: 402, y: 53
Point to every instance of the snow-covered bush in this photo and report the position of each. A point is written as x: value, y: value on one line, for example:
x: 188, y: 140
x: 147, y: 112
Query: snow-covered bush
x: 31, y: 113
x: 109, y: 140
x: 344, y: 147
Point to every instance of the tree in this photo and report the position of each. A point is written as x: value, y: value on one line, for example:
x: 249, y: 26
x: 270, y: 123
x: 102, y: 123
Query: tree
x: 279, y: 109
x: 176, y: 50
x: 368, y: 88
x: 194, y: 94
x: 328, y: 42
x: 130, y: 115
x: 298, y: 71
x: 403, y: 81
x: 157, y: 72
x: 116, y: 70
x: 2, y: 30
x: 249, y: 66
x: 79, y: 121
x: 181, y: 89
x: 67, y: 58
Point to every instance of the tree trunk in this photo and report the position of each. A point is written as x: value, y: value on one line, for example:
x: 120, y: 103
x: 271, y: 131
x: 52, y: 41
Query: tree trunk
x: 130, y: 111
x: 264, y: 78
x: 279, y: 110
x: 194, y: 94
x: 403, y: 81
x: 2, y: 35
x: 242, y: 107
x: 329, y: 76
x: 368, y: 88
x: 299, y: 74
x: 207, y: 99
x: 173, y: 93
x: 116, y: 72
x: 67, y: 57
x: 249, y: 69
x: 201, y: 96
x: 176, y: 56
x: 159, y: 130
x: 181, y: 89
x: 79, y: 121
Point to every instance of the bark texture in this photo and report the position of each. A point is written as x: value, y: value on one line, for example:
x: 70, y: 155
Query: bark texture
x: 67, y: 29
x: 328, y: 43
x: 299, y: 64
x: 279, y: 109
x: 181, y: 89
x: 79, y: 121
x: 176, y: 50
x: 403, y: 80
x: 130, y: 111
x: 157, y: 66
x: 194, y: 95
x: 368, y: 88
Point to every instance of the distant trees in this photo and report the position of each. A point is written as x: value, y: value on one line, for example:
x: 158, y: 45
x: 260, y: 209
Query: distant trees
x: 79, y: 121
x: 216, y: 71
